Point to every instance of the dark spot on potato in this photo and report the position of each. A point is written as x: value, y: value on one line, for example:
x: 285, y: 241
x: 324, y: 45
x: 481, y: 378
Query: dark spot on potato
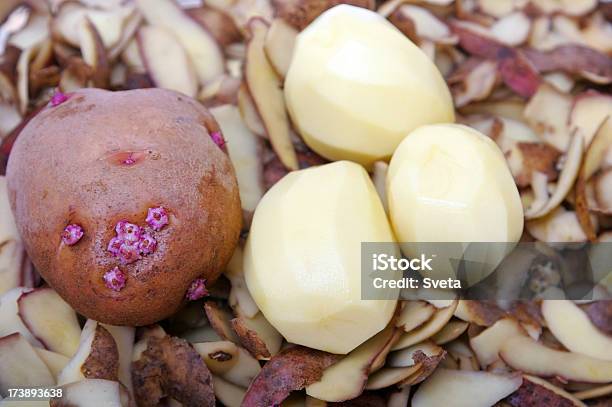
x: 220, y: 356
x: 72, y: 109
x: 155, y: 155
x: 95, y: 187
x: 208, y: 180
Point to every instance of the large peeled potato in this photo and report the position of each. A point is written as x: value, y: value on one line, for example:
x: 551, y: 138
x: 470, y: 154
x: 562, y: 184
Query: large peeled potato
x: 356, y: 86
x: 302, y: 259
x: 100, y: 158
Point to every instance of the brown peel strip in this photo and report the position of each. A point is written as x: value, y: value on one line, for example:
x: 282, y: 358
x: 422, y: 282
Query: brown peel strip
x: 540, y: 157
x: 300, y: 13
x: 592, y: 162
x: 291, y: 369
x: 567, y: 177
x: 103, y: 361
x: 250, y: 339
x: 538, y: 392
x: 219, y: 318
x: 428, y: 363
x: 171, y: 367
x: 482, y: 313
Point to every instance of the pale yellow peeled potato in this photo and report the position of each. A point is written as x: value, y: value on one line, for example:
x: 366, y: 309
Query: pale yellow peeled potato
x: 302, y: 258
x: 450, y: 183
x: 356, y: 86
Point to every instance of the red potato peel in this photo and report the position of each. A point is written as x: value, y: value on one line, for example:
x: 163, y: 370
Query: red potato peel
x: 290, y: 370
x: 517, y: 71
x: 595, y: 154
x: 219, y: 318
x: 479, y: 312
x: 265, y: 88
x: 538, y: 392
x: 218, y: 23
x: 166, y: 61
x: 280, y: 40
x: 413, y: 314
x: 525, y: 354
x: 250, y: 339
x: 94, y: 54
x: 574, y: 59
x: 425, y: 24
x: 300, y: 13
x: 540, y: 157
x: 600, y: 314
x: 103, y: 360
x: 203, y: 51
x: 426, y: 355
x: 477, y: 79
x: 97, y: 356
x: 339, y: 383
x: 50, y: 319
x: 171, y: 367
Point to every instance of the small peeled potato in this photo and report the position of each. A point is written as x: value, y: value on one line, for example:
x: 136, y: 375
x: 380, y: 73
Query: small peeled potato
x: 123, y: 199
x: 356, y: 86
x: 450, y: 183
x: 302, y: 258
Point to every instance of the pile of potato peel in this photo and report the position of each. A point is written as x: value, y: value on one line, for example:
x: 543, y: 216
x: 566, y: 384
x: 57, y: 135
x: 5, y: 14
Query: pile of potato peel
x: 534, y: 75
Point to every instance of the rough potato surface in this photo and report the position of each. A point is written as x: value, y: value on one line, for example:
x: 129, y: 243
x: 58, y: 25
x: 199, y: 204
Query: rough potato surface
x: 69, y: 167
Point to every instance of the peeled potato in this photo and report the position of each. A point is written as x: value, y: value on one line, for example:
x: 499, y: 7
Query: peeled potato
x: 302, y: 257
x: 94, y: 159
x: 450, y: 183
x: 371, y: 86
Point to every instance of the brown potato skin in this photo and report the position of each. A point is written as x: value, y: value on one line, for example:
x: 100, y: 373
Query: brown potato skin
x: 66, y: 167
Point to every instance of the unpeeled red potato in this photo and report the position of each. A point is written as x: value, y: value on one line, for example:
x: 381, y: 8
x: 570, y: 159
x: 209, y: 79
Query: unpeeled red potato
x: 302, y: 258
x: 356, y: 86
x: 123, y: 199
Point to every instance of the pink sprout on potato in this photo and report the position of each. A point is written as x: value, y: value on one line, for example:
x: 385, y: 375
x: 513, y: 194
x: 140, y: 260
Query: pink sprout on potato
x: 147, y: 244
x: 115, y: 245
x: 129, y: 161
x: 197, y: 289
x: 157, y: 218
x: 132, y: 242
x: 72, y: 234
x: 128, y: 231
x: 58, y: 98
x: 129, y: 252
x: 114, y: 279
x: 217, y: 137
